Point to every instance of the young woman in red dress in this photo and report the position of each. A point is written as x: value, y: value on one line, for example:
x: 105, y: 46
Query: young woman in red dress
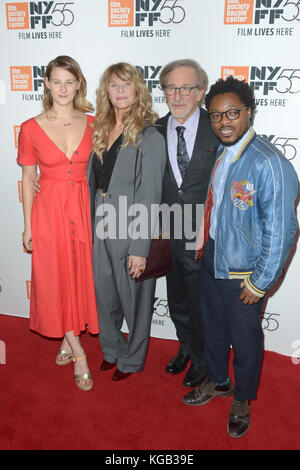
x: 57, y: 219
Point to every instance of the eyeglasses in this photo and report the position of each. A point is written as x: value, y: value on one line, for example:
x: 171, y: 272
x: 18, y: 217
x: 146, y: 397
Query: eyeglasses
x: 231, y: 114
x: 170, y: 90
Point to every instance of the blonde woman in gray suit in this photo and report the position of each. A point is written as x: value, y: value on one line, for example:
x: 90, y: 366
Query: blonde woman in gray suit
x: 123, y: 126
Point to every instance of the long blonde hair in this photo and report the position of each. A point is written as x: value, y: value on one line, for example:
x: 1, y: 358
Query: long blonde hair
x: 135, y: 120
x: 67, y: 63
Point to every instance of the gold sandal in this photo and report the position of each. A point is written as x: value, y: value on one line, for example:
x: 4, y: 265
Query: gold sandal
x: 63, y: 357
x: 84, y: 376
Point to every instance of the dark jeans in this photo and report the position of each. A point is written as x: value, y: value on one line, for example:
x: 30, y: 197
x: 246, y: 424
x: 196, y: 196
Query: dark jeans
x: 228, y: 321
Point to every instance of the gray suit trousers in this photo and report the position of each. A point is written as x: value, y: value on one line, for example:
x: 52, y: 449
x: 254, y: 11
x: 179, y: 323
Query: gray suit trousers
x: 119, y: 297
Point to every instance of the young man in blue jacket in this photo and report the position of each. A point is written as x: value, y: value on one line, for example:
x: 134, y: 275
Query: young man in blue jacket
x: 248, y: 231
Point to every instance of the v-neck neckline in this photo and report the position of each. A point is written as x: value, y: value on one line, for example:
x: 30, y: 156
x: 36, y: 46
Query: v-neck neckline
x: 49, y: 138
x: 114, y: 142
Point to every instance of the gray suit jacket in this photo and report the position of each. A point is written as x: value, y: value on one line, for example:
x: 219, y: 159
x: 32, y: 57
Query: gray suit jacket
x: 120, y: 192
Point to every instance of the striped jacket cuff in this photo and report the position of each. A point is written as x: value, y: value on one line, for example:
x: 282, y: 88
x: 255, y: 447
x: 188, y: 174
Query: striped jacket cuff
x: 252, y: 288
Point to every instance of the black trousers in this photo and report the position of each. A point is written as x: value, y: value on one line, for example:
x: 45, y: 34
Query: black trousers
x: 183, y: 300
x: 228, y: 321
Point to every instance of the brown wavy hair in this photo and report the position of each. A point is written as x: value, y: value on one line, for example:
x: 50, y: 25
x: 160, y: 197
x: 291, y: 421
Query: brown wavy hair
x: 67, y: 63
x: 135, y: 120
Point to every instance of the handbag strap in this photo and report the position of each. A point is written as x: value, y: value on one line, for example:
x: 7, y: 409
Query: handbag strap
x: 135, y: 167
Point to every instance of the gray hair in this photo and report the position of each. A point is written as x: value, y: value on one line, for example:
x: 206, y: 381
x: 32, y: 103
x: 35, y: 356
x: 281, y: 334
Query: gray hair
x: 202, y: 78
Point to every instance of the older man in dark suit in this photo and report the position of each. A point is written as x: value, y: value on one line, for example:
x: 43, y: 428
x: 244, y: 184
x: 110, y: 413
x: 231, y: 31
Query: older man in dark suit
x: 191, y: 149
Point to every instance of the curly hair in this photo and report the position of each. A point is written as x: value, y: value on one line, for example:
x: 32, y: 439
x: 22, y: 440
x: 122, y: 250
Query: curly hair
x: 232, y: 85
x: 67, y: 63
x: 135, y: 120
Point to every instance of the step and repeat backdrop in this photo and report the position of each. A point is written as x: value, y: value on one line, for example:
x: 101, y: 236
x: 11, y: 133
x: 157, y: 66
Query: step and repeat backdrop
x: 253, y: 39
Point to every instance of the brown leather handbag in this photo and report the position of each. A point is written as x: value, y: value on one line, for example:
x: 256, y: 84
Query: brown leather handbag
x: 159, y: 260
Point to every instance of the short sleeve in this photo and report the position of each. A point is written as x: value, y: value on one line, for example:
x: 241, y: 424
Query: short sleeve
x: 26, y: 150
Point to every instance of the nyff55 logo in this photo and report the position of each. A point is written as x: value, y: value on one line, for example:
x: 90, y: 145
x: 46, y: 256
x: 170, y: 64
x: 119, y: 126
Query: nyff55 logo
x: 151, y: 75
x: 287, y: 145
x: 144, y: 12
x: 29, y: 15
x: 260, y: 11
x: 266, y: 78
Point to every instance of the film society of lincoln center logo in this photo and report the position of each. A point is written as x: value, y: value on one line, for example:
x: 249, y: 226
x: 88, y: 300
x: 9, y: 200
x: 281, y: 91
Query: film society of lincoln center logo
x: 42, y: 19
x: 267, y: 17
x: 28, y: 80
x: 149, y: 18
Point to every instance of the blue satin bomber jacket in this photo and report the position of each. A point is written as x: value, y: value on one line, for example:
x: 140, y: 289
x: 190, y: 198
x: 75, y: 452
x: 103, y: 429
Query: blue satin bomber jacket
x: 257, y: 222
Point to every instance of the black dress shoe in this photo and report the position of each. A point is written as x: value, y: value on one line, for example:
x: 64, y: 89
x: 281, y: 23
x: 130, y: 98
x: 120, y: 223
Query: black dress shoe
x: 177, y: 364
x: 119, y: 375
x: 195, y: 376
x: 107, y: 365
x: 239, y: 418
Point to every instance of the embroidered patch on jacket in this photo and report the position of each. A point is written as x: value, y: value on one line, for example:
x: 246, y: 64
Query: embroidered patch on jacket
x: 242, y: 194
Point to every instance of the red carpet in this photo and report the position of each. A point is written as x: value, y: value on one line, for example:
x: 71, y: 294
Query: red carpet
x: 41, y: 408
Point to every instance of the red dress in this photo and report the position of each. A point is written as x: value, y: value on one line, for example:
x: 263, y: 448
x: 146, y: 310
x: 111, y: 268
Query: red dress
x: 62, y: 284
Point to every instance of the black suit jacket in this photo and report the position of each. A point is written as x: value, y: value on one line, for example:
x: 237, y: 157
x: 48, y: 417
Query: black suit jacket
x: 194, y: 186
